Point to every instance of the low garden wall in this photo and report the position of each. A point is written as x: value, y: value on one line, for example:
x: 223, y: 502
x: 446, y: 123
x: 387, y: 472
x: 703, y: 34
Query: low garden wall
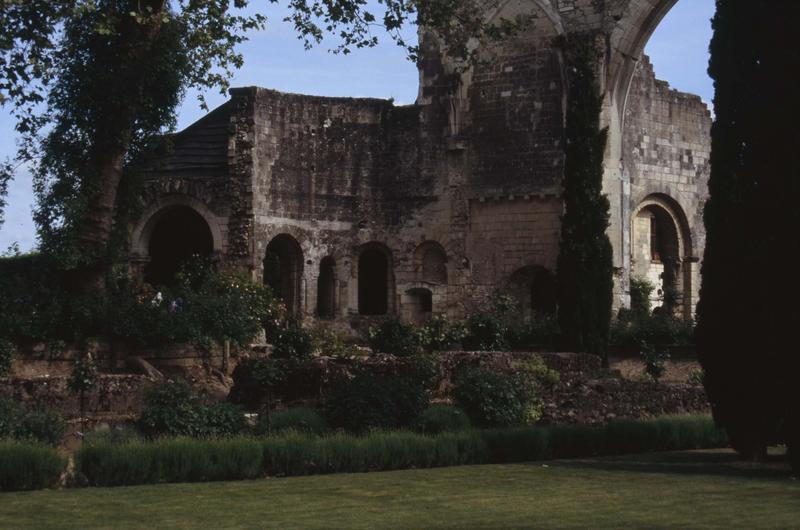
x: 585, y: 394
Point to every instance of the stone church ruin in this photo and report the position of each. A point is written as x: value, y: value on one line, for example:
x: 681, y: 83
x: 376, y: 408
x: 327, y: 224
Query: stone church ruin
x: 356, y: 208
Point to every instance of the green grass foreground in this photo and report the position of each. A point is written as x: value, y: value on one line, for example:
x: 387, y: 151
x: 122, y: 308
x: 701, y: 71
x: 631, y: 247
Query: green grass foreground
x: 686, y: 489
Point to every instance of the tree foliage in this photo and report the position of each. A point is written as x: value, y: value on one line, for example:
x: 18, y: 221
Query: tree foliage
x: 585, y: 281
x: 748, y: 313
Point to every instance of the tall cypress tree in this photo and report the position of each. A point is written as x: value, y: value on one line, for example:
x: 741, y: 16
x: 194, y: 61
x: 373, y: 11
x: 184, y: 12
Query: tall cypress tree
x: 585, y: 281
x: 748, y: 312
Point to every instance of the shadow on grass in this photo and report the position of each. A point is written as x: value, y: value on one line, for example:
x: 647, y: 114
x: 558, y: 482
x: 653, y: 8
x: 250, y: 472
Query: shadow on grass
x: 715, y: 463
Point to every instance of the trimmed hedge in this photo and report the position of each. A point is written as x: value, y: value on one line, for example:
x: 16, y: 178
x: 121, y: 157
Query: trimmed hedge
x: 25, y: 466
x: 292, y: 453
x: 169, y: 460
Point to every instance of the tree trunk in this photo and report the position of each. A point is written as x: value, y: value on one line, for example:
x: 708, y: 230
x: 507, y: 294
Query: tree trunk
x: 111, y: 144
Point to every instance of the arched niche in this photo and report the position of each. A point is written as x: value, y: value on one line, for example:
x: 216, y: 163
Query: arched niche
x: 326, y: 288
x: 661, y: 252
x: 283, y: 271
x: 375, y: 280
x: 534, y: 289
x: 431, y: 263
x: 171, y: 234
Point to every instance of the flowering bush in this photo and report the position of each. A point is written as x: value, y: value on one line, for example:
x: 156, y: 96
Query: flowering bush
x: 440, y: 334
x: 204, y: 307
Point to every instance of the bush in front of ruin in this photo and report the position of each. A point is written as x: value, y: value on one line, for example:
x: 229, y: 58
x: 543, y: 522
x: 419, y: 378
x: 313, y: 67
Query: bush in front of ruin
x: 203, y: 307
x: 383, y: 396
x: 34, y: 424
x: 442, y: 418
x: 174, y: 409
x: 495, y: 399
x: 29, y: 466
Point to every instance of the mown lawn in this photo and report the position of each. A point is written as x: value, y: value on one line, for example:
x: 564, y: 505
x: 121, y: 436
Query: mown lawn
x: 687, y: 489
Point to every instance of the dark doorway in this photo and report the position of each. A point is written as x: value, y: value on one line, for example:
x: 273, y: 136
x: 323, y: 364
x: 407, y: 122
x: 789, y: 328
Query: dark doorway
x: 326, y: 289
x: 283, y: 271
x: 543, y: 293
x: 421, y: 305
x: 534, y: 289
x: 179, y: 235
x: 373, y: 282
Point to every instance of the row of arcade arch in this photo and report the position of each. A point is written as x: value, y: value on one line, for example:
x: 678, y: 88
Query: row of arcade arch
x: 661, y: 252
x: 177, y: 233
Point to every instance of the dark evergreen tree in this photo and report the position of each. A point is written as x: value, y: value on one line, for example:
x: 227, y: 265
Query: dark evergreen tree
x: 748, y: 310
x: 585, y: 280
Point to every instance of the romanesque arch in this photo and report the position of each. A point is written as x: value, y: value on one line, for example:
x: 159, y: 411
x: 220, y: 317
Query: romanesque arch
x: 283, y: 271
x: 661, y: 252
x: 431, y: 263
x: 171, y: 232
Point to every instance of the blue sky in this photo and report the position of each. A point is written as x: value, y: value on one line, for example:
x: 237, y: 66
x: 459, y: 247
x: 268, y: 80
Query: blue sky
x: 276, y: 59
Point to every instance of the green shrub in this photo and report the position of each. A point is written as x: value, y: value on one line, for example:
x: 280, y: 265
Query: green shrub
x: 658, y: 330
x: 538, y: 331
x: 574, y: 441
x: 493, y: 399
x: 173, y: 409
x: 39, y: 424
x: 486, y: 332
x: 439, y: 334
x: 655, y: 360
x: 442, y: 418
x: 535, y: 367
x: 291, y: 453
x: 696, y: 377
x: 384, y: 397
x: 169, y: 460
x: 667, y: 433
x: 292, y: 341
x: 392, y: 336
x: 25, y: 466
x: 299, y: 419
x: 518, y: 444
x: 641, y: 291
x: 489, y: 329
x: 331, y: 344
x: 297, y: 454
x: 204, y: 306
x: 7, y: 350
x: 118, y: 434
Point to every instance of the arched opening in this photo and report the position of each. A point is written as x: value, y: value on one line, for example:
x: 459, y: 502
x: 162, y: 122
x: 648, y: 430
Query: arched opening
x: 433, y: 262
x: 659, y: 246
x: 373, y: 281
x: 178, y: 236
x: 283, y: 271
x: 420, y: 306
x: 534, y: 290
x: 326, y: 288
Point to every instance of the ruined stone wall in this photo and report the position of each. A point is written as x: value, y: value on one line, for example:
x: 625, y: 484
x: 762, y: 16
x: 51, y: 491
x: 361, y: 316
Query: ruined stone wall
x: 667, y: 145
x: 471, y: 175
x: 202, y: 170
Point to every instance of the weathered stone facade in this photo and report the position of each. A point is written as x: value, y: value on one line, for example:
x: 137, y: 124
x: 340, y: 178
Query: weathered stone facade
x: 356, y: 208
